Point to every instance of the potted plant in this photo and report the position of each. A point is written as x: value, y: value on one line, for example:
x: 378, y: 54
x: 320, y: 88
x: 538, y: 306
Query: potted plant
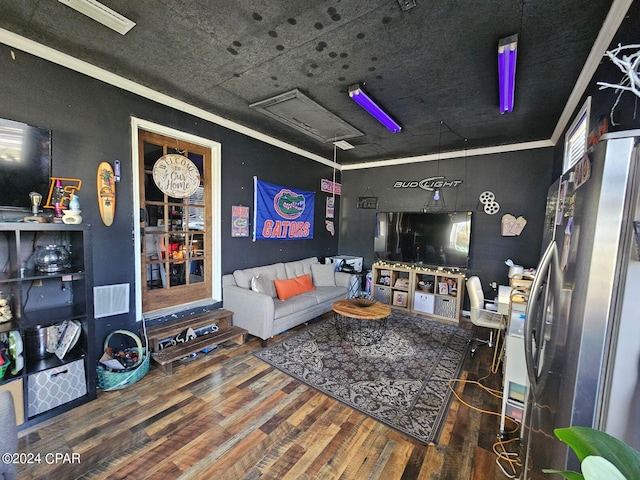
x: 602, y: 457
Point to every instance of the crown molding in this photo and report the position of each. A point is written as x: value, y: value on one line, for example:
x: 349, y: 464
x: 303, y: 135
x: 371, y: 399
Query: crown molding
x: 610, y: 26
x: 55, y: 56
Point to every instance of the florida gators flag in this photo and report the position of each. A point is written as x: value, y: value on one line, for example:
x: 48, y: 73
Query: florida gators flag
x: 281, y: 213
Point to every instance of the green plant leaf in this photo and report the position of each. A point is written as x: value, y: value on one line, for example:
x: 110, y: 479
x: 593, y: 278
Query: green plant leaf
x: 568, y: 474
x: 585, y: 441
x: 597, y: 468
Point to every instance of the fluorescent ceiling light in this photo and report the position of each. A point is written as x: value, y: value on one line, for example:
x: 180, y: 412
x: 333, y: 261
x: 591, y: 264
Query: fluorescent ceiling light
x: 101, y: 14
x: 507, y: 52
x: 361, y: 98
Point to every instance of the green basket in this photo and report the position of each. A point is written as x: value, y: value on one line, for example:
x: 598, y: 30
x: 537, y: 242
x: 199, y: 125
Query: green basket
x: 115, y: 380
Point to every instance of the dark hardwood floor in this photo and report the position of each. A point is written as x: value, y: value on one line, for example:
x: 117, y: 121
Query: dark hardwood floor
x: 228, y: 415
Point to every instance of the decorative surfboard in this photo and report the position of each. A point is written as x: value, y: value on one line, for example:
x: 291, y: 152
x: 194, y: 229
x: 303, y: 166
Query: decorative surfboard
x: 106, y: 193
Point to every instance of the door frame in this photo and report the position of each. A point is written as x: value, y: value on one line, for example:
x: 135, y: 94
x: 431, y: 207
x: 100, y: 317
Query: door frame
x: 216, y: 236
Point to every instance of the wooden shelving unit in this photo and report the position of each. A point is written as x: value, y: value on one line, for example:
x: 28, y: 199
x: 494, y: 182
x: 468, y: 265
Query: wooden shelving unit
x: 44, y: 385
x: 417, y: 289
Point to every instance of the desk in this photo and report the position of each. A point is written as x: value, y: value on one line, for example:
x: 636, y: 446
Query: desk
x: 516, y: 380
x: 504, y: 299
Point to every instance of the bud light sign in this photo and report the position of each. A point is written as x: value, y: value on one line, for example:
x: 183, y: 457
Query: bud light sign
x: 282, y: 213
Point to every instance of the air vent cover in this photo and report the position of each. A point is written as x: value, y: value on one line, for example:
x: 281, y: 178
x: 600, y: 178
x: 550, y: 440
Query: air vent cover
x: 110, y: 300
x: 300, y: 112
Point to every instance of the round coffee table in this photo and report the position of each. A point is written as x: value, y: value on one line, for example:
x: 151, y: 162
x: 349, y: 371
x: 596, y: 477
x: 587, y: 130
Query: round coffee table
x: 360, y: 325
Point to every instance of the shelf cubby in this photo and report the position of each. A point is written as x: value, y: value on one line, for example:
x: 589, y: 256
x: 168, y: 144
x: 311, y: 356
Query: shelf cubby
x: 40, y: 299
x: 431, y: 291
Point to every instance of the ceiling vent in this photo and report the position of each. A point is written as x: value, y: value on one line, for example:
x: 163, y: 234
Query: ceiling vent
x: 300, y: 112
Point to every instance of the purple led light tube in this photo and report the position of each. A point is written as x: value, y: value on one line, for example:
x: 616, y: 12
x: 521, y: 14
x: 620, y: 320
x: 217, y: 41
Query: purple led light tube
x: 361, y: 98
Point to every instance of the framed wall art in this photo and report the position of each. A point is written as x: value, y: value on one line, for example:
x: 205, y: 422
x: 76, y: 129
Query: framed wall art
x: 239, y: 221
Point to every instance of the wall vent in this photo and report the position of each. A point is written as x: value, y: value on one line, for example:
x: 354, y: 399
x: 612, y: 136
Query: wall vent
x: 110, y: 300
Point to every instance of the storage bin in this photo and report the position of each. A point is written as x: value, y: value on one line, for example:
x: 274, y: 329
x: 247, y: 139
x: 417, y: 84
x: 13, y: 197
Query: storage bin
x: 446, y: 307
x: 423, y: 302
x: 51, y: 388
x: 382, y: 294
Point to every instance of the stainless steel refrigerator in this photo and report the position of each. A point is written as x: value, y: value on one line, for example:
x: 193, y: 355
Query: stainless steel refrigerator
x: 582, y: 335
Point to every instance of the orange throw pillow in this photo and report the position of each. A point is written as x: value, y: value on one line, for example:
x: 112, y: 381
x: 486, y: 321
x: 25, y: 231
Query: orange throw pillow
x: 293, y: 286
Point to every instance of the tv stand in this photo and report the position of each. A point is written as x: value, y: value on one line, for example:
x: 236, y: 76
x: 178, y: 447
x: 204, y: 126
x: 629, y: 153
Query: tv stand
x: 13, y: 214
x: 428, y: 290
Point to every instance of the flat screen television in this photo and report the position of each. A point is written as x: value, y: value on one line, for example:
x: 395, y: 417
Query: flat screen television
x: 430, y: 239
x: 25, y: 163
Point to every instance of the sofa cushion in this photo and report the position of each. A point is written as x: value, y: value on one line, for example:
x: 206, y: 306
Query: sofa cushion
x: 262, y: 284
x: 324, y: 275
x: 326, y: 294
x: 243, y: 277
x: 293, y: 286
x: 293, y: 305
x: 299, y: 267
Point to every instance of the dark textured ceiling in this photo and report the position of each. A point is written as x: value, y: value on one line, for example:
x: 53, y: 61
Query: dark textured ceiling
x: 436, y: 62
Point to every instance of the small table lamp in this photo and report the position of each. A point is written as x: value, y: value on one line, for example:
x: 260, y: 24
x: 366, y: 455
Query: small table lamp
x: 36, y: 200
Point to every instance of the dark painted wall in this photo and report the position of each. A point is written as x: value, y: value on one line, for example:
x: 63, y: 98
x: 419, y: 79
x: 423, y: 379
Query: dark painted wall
x: 519, y: 181
x: 619, y: 112
x: 90, y: 123
x: 272, y: 165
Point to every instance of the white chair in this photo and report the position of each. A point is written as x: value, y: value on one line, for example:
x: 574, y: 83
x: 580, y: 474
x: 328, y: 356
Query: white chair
x: 483, y: 313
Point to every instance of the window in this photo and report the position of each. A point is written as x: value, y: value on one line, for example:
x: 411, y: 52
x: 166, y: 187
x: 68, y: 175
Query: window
x: 575, y: 145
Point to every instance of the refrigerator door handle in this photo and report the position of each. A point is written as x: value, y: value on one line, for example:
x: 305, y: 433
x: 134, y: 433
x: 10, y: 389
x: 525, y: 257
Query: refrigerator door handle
x: 532, y: 328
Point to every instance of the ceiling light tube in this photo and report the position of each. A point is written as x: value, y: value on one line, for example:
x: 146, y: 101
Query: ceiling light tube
x: 361, y: 98
x: 507, y: 52
x: 101, y: 14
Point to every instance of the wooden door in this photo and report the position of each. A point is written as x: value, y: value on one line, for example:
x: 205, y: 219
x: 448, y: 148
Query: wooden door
x: 176, y: 251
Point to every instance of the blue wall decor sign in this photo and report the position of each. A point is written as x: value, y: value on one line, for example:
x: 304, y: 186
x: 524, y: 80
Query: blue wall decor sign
x: 282, y: 213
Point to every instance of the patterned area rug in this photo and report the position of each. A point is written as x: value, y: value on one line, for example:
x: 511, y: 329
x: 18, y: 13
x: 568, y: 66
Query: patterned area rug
x: 402, y: 381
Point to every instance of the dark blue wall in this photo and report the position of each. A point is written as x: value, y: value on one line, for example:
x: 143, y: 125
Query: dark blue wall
x: 272, y: 165
x: 619, y: 112
x: 91, y: 123
x: 519, y: 181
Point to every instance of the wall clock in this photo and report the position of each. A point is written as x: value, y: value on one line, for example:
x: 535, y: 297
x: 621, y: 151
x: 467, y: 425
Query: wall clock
x: 176, y: 176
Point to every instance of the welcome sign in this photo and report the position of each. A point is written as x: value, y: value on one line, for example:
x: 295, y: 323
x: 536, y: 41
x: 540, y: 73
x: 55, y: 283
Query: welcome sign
x: 282, y: 213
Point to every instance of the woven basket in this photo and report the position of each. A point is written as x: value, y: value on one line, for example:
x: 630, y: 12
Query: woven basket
x: 362, y: 302
x: 115, y: 380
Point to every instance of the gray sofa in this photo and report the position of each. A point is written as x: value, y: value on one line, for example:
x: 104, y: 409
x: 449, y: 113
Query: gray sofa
x: 8, y: 436
x: 251, y: 296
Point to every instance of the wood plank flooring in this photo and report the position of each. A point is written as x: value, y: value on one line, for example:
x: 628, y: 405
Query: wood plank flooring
x: 228, y: 415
